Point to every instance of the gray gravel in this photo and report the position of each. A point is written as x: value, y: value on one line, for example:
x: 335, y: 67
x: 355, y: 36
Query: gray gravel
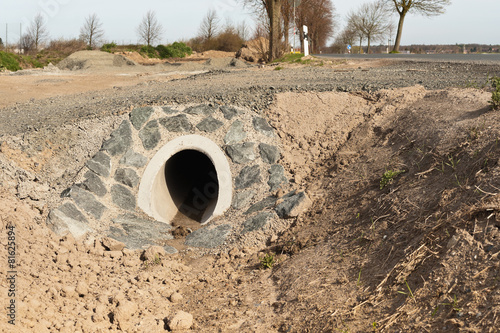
x: 251, y: 88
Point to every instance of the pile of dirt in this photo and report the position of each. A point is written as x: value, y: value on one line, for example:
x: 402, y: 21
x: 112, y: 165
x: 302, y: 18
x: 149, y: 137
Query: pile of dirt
x: 405, y: 231
x: 226, y: 62
x: 94, y: 60
x: 254, y: 51
x: 211, y: 54
x: 138, y: 58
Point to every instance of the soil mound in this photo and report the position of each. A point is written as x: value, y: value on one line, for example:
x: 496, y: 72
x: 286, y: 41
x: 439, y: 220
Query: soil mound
x: 211, y: 54
x: 139, y: 59
x: 254, y: 51
x: 94, y: 60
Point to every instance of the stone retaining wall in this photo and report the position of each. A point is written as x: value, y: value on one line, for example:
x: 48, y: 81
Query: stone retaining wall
x: 103, y: 200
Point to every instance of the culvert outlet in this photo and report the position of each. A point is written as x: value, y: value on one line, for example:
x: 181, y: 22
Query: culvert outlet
x: 190, y: 175
x: 163, y: 162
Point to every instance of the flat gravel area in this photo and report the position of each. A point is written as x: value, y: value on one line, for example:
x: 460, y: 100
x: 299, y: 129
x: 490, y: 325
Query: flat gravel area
x: 254, y: 88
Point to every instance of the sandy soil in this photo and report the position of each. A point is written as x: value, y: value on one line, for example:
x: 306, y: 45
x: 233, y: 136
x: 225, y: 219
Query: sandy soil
x: 415, y: 252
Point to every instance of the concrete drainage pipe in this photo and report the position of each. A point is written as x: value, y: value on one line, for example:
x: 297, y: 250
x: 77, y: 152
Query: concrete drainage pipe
x: 191, y: 175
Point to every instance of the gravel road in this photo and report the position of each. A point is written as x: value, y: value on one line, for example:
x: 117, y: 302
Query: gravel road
x: 254, y: 88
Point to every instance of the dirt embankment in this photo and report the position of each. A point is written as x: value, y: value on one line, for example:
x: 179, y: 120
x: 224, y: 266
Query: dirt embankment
x: 403, y: 234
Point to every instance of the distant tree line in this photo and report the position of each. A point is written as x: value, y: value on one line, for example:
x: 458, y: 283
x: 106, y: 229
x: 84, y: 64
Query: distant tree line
x: 281, y: 22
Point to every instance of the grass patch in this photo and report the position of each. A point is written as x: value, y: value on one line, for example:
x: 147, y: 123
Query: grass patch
x: 291, y: 57
x: 9, y: 61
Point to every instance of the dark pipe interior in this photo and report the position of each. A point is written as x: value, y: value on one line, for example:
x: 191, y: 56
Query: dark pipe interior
x: 192, y: 182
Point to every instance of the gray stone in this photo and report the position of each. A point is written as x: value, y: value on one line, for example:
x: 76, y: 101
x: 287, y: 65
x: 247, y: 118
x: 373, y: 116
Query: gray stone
x: 139, y: 233
x: 209, y: 124
x: 208, y: 238
x: 293, y: 205
x: 261, y: 125
x: 139, y: 116
x: 67, y: 218
x: 276, y: 177
x: 241, y: 153
x: 242, y: 199
x: 169, y: 110
x: 150, y: 135
x: 100, y: 164
x: 86, y: 201
x: 177, y: 124
x: 127, y: 177
x: 120, y: 140
x: 248, y: 176
x: 269, y: 153
x: 229, y: 112
x: 257, y: 222
x: 122, y: 197
x: 235, y: 133
x: 201, y: 109
x: 94, y: 184
x: 261, y: 205
x: 133, y: 159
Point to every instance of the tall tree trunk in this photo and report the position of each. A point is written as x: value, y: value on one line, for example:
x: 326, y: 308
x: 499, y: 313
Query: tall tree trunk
x: 286, y: 26
x: 274, y: 40
x: 360, y: 41
x: 368, y: 51
x: 400, y: 31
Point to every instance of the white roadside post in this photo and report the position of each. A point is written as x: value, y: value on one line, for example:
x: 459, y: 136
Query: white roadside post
x: 306, y: 41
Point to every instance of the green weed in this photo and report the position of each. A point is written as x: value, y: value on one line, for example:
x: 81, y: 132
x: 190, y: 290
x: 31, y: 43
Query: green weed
x: 388, y: 177
x: 453, y: 304
x: 267, y: 261
x: 495, y: 95
x: 452, y: 162
x: 358, y: 283
x: 155, y: 262
x: 410, y: 293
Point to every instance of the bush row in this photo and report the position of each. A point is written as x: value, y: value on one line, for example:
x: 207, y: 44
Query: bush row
x: 175, y: 50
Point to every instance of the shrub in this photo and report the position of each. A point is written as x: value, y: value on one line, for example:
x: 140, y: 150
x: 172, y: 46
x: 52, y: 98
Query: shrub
x: 495, y: 95
x: 229, y: 41
x: 108, y: 47
x: 149, y: 51
x: 175, y: 50
x: 9, y: 61
x: 66, y: 47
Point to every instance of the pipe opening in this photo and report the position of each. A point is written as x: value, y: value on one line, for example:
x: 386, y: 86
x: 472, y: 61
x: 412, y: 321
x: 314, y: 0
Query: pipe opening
x: 191, y: 179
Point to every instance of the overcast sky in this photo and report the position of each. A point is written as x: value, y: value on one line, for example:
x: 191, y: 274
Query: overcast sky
x: 465, y: 21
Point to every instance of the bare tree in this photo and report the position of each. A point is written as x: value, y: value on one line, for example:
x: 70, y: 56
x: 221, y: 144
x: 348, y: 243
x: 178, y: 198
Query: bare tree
x: 273, y: 10
x: 371, y: 20
x: 37, y: 31
x: 91, y: 32
x: 243, y: 30
x: 319, y: 16
x: 210, y: 25
x: 423, y: 7
x: 344, y: 38
x: 150, y: 30
x: 27, y: 44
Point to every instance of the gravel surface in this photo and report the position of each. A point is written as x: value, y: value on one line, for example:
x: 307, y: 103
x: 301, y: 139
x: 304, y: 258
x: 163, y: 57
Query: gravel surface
x: 253, y: 88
